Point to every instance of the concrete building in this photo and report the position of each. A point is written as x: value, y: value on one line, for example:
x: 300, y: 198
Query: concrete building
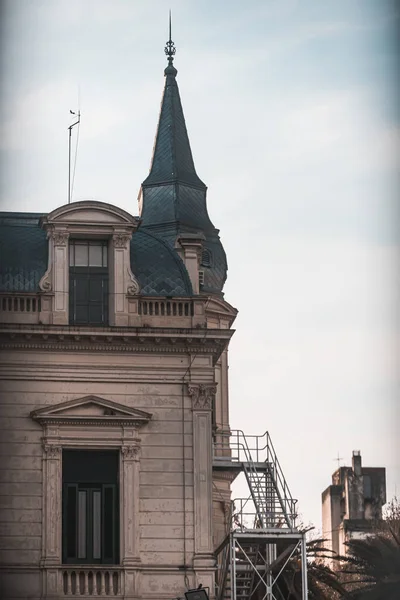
x: 114, y: 379
x: 352, y: 505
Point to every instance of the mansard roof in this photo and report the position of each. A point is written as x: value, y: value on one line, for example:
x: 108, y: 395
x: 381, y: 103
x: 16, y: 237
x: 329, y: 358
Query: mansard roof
x: 24, y: 258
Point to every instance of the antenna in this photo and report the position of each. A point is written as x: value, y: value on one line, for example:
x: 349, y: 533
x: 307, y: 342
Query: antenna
x: 69, y: 150
x: 338, y: 459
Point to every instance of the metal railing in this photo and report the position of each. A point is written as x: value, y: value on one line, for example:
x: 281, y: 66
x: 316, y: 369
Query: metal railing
x: 270, y: 503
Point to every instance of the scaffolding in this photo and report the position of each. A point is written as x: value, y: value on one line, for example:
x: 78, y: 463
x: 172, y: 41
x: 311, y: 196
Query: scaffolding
x: 263, y: 550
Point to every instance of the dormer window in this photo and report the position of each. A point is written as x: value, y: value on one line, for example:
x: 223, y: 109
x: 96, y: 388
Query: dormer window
x: 89, y: 272
x: 88, y: 282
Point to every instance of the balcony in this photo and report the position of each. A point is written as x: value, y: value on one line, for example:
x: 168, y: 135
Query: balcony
x: 103, y: 582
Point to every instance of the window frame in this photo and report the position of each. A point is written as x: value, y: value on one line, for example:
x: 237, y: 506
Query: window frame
x: 86, y: 276
x: 71, y: 425
x: 90, y: 488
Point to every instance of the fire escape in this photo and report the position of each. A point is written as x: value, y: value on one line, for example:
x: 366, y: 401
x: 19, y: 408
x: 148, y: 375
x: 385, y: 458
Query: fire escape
x: 263, y: 548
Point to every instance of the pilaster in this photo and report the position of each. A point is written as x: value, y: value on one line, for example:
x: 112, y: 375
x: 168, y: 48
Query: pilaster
x: 202, y: 402
x: 130, y: 555
x: 123, y: 282
x: 59, y: 274
x: 51, y: 520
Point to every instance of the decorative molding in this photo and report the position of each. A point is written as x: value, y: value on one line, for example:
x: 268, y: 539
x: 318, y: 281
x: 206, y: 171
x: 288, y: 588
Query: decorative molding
x: 133, y: 287
x: 45, y: 282
x: 52, y: 451
x: 93, y: 421
x: 101, y: 347
x: 104, y: 413
x: 67, y: 437
x: 121, y: 240
x: 141, y: 340
x: 202, y: 395
x: 60, y: 238
x: 131, y: 452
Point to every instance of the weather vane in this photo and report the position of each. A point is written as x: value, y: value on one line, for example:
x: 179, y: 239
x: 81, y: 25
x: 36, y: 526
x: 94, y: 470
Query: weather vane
x: 170, y: 49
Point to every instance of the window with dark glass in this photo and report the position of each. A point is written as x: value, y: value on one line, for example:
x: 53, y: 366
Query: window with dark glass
x: 88, y: 282
x: 90, y: 523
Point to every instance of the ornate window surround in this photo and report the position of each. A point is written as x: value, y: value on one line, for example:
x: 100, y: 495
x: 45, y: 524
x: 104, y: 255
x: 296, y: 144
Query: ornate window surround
x: 91, y: 423
x: 89, y: 220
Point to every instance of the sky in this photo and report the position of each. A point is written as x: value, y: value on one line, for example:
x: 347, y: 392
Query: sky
x: 292, y: 109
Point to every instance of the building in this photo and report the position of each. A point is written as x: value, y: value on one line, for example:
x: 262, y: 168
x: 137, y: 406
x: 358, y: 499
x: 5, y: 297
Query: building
x: 352, y: 505
x: 117, y: 454
x: 114, y: 378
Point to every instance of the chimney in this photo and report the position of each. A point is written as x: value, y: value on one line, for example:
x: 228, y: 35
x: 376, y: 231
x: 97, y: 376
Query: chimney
x: 356, y: 463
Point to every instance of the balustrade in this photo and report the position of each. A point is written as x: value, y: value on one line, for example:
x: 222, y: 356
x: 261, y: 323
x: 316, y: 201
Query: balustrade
x: 166, y: 308
x: 77, y: 581
x: 29, y: 304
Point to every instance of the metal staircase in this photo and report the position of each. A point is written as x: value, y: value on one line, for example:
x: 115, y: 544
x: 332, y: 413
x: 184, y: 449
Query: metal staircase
x: 253, y: 558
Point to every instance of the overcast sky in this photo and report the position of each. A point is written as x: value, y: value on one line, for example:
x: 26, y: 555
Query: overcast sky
x: 293, y: 116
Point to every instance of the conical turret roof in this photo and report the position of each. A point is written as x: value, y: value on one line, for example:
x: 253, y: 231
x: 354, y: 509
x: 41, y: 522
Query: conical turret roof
x: 172, y: 160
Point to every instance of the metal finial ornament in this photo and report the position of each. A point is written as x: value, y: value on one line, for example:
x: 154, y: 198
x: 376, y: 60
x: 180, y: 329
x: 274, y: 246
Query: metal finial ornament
x: 170, y: 49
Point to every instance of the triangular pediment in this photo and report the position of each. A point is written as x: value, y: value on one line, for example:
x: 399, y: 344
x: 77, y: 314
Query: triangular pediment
x: 90, y: 408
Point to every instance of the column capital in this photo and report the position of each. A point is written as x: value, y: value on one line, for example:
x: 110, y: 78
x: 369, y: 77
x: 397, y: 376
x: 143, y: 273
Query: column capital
x: 59, y: 237
x: 52, y: 450
x: 131, y: 452
x: 202, y: 395
x: 121, y: 239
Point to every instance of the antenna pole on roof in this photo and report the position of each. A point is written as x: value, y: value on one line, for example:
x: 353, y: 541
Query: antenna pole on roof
x: 69, y: 150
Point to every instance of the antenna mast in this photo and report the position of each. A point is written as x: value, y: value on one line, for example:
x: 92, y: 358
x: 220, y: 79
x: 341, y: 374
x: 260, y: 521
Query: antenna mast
x: 338, y: 459
x: 69, y: 150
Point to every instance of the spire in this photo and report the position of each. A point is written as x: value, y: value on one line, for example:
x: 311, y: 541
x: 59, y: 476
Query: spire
x: 173, y: 199
x: 172, y: 160
x: 170, y: 49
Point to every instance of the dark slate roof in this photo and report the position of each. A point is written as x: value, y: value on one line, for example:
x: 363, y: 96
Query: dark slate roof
x: 24, y: 259
x: 158, y: 267
x: 172, y: 157
x: 175, y: 203
x: 23, y: 252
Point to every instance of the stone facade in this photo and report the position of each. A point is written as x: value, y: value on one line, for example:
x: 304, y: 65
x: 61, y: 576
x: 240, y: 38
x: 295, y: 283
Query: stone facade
x: 114, y: 336
x: 158, y: 394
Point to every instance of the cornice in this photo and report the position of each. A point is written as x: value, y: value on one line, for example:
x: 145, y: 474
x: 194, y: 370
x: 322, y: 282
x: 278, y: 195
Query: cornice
x: 121, y: 340
x: 92, y: 421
